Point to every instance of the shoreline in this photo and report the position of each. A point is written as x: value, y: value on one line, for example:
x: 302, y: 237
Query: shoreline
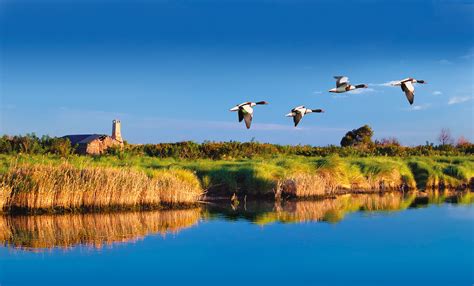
x: 229, y: 201
x: 49, y: 184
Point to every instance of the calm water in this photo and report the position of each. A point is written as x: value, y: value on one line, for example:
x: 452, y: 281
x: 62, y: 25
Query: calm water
x: 351, y: 240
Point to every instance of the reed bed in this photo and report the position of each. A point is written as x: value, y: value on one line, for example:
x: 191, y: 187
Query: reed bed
x: 294, y: 176
x: 65, y: 187
x: 93, y: 230
x: 306, y: 185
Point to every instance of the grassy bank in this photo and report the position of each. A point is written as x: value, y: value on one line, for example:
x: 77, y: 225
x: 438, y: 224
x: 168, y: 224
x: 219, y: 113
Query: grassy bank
x: 47, y: 181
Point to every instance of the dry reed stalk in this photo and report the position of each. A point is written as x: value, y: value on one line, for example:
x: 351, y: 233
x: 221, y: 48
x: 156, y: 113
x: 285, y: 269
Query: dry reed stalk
x: 305, y: 185
x: 5, y: 192
x: 66, y: 187
x: 325, y: 182
x: 177, y: 186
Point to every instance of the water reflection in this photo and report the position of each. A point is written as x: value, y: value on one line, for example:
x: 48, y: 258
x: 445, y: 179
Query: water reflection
x: 335, y: 209
x: 99, y: 230
x: 95, y: 230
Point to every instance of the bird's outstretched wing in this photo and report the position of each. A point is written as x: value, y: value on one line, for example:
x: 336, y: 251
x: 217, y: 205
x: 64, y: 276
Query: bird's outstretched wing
x: 297, y: 118
x: 248, y: 120
x: 241, y: 115
x: 341, y: 81
x: 299, y: 107
x: 409, y: 91
x: 247, y: 109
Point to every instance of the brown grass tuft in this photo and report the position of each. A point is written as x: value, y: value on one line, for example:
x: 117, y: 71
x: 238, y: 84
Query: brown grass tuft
x: 34, y: 187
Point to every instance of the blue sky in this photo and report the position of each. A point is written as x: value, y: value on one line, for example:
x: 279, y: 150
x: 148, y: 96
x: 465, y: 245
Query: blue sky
x: 170, y: 70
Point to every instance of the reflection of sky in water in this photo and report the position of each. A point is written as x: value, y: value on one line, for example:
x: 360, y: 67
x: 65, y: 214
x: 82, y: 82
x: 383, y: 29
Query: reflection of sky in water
x: 461, y: 213
x: 417, y: 246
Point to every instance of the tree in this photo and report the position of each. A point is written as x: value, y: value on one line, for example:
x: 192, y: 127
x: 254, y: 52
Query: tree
x: 462, y: 141
x: 356, y: 137
x: 60, y: 146
x: 445, y: 138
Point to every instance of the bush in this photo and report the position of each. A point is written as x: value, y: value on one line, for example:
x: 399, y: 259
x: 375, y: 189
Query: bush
x: 31, y: 144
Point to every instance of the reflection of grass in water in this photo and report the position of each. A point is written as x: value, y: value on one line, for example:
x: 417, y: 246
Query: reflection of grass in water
x: 466, y: 198
x: 334, y: 210
x: 97, y: 230
x: 438, y: 197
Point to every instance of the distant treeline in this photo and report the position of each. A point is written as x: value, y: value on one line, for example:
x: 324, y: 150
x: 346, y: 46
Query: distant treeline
x: 236, y: 150
x: 31, y: 144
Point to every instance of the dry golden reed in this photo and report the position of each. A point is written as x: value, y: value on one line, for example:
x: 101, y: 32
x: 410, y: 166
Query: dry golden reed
x: 94, y: 230
x: 325, y: 183
x: 67, y: 187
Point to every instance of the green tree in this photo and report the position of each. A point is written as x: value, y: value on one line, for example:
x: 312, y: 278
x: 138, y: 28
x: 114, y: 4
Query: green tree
x: 60, y: 146
x: 357, y: 137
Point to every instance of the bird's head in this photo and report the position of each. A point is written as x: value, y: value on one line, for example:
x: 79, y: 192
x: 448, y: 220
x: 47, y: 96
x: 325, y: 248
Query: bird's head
x: 262, y: 103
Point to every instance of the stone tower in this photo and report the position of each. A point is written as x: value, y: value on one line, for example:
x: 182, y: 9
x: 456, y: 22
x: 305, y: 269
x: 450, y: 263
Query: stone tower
x: 116, y: 131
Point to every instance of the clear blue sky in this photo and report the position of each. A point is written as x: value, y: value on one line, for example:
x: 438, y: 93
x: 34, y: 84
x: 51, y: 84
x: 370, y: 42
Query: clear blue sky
x: 170, y: 70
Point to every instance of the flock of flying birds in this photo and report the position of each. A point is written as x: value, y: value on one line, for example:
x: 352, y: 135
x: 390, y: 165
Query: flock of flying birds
x: 245, y: 110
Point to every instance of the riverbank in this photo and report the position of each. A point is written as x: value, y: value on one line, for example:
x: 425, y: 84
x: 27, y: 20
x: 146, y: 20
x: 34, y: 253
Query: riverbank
x: 47, y: 182
x: 98, y: 230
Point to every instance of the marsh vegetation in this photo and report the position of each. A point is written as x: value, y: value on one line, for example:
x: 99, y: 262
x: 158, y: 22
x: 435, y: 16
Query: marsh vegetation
x: 45, y: 174
x: 78, y: 182
x: 64, y: 187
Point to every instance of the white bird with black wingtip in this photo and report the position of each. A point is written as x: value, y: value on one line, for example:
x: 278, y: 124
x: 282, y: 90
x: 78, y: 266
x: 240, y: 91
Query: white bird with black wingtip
x: 343, y: 85
x: 299, y: 112
x: 408, y: 88
x: 245, y: 111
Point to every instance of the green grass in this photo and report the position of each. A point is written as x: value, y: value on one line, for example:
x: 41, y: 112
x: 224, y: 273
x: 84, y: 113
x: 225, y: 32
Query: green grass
x: 308, y: 175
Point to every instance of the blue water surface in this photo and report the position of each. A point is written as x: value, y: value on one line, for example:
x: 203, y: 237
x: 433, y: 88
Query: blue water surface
x: 425, y: 246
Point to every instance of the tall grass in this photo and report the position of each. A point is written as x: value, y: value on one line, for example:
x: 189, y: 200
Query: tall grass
x: 266, y: 177
x: 65, y: 187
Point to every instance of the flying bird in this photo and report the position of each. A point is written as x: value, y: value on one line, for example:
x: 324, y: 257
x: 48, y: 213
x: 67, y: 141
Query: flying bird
x: 299, y: 112
x: 408, y: 88
x: 245, y: 111
x: 343, y: 85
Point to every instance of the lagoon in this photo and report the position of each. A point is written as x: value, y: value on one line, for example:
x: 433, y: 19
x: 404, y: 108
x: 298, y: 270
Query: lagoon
x: 348, y: 240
